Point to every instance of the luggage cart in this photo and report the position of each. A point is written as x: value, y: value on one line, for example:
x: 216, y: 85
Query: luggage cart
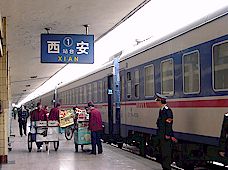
x: 44, y: 131
x: 82, y: 136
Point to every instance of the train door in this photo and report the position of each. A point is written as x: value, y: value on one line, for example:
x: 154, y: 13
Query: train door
x: 110, y: 106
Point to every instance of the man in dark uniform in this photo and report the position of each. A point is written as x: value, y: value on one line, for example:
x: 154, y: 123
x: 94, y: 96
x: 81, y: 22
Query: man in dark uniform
x: 165, y: 131
x: 223, y: 141
x: 22, y: 120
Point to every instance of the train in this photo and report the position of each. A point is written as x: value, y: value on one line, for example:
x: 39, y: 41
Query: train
x: 189, y: 66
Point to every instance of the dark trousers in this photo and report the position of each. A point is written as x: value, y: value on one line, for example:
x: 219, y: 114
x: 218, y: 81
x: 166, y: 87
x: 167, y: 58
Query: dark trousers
x: 166, y: 153
x: 22, y: 125
x: 96, y: 140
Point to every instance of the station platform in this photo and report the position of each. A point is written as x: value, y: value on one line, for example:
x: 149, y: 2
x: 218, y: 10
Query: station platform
x: 65, y: 158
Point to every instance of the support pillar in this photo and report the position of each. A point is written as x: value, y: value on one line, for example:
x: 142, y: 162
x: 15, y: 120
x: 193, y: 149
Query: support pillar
x: 4, y: 98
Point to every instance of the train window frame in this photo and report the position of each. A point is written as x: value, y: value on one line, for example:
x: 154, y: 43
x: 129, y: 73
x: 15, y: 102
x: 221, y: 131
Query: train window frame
x: 129, y: 95
x: 72, y: 100
x: 151, y: 65
x: 80, y: 95
x: 100, y: 91
x: 199, y: 71
x: 213, y: 69
x: 95, y: 92
x: 84, y: 94
x: 122, y: 83
x: 105, y: 88
x: 76, y: 95
x: 89, y: 86
x: 173, y: 76
x: 136, y: 83
x: 70, y: 96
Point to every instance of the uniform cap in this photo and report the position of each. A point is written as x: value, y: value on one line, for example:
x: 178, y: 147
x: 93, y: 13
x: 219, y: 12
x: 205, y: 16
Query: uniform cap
x: 160, y: 97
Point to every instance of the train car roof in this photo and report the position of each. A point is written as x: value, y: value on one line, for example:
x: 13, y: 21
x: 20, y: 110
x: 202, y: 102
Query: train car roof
x: 148, y: 44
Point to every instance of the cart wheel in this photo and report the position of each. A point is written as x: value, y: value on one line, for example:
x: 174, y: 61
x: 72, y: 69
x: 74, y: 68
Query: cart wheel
x: 46, y: 146
x: 56, y: 145
x: 76, y: 147
x: 29, y: 142
x: 68, y: 133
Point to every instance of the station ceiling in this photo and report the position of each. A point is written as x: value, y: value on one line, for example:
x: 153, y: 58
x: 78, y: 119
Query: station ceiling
x: 27, y: 19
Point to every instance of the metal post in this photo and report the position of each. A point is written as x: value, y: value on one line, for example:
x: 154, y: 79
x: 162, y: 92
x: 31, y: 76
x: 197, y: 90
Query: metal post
x: 87, y: 28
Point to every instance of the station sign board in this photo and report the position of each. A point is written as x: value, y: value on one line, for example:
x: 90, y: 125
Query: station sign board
x: 67, y: 48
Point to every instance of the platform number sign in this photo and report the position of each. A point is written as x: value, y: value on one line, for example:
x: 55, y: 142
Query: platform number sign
x: 68, y: 41
x: 67, y: 48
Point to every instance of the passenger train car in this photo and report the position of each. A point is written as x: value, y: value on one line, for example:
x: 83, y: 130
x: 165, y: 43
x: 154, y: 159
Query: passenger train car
x: 189, y: 66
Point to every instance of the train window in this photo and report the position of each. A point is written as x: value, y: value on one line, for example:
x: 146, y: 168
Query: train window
x: 66, y: 94
x: 95, y: 92
x: 80, y: 95
x: 105, y: 87
x: 121, y: 88
x: 59, y: 97
x: 89, y: 92
x: 191, y: 72
x: 70, y: 97
x: 149, y: 81
x: 167, y: 77
x: 136, y: 84
x: 64, y: 97
x: 128, y: 85
x: 76, y: 96
x: 85, y: 95
x: 220, y: 66
x: 100, y: 91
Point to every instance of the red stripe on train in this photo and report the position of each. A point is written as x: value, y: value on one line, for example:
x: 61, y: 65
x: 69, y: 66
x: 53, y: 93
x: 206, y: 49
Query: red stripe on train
x: 173, y: 104
x: 187, y: 104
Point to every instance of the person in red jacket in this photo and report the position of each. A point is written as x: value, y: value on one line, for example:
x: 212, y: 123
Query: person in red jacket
x: 54, y: 113
x: 95, y: 125
x: 39, y: 114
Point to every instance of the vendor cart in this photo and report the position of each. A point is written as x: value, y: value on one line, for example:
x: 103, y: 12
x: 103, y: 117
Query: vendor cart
x: 44, y: 131
x: 82, y: 135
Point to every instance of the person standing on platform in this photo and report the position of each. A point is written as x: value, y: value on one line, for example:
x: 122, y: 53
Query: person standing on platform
x: 39, y: 114
x: 54, y: 113
x: 165, y: 131
x: 223, y: 140
x: 95, y: 125
x: 22, y: 120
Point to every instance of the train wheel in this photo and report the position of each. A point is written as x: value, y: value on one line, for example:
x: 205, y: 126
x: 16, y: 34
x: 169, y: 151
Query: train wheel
x: 56, y: 145
x: 30, y: 142
x: 68, y: 133
x: 120, y: 145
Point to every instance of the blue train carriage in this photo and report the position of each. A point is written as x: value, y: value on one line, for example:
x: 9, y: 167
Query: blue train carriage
x: 189, y: 67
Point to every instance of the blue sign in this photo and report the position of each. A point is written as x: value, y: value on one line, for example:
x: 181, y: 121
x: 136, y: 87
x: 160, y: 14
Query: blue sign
x: 67, y: 48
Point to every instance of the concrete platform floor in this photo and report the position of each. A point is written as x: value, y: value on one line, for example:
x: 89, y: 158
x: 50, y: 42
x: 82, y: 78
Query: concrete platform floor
x: 66, y: 159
